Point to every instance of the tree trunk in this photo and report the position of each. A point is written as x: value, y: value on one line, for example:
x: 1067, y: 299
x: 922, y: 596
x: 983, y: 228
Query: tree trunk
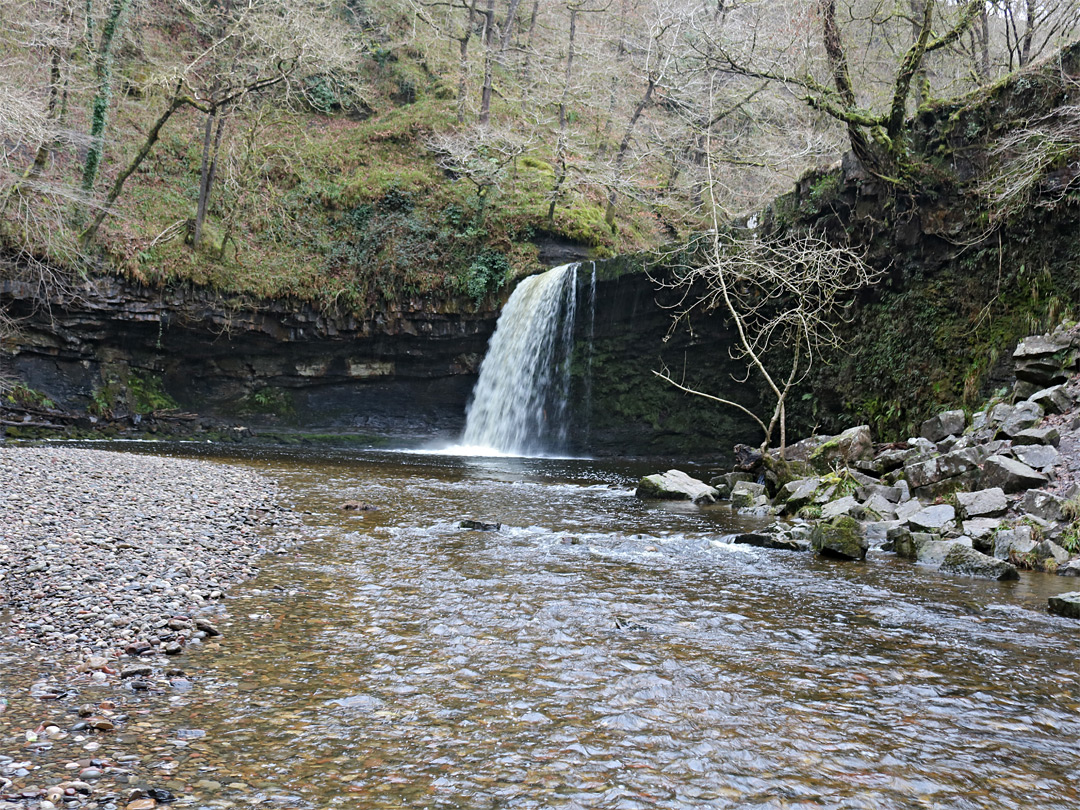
x: 624, y: 146
x: 209, y: 169
x: 103, y: 76
x: 526, y: 69
x: 489, y: 62
x: 560, y: 149
x: 463, y: 61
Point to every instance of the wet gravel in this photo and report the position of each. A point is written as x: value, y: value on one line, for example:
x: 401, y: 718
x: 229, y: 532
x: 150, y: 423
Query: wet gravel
x: 103, y: 552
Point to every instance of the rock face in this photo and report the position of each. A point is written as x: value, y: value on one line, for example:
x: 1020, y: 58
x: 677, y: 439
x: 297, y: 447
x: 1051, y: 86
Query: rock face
x: 842, y: 538
x: 675, y: 485
x: 411, y: 368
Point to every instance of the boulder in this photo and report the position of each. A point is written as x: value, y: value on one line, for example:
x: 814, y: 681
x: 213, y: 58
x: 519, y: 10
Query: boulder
x: 885, y: 461
x: 781, y: 541
x: 1025, y: 415
x: 723, y: 483
x: 850, y: 446
x: 1049, y: 550
x: 981, y: 531
x: 1010, y: 475
x: 909, y: 508
x: 949, y: 423
x: 842, y: 506
x: 878, y: 508
x: 1037, y: 456
x: 794, y: 495
x: 1054, y: 400
x: 876, y: 532
x: 1065, y: 604
x: 1008, y: 542
x: 840, y: 538
x: 1069, y: 569
x: 675, y: 485
x: 1041, y: 435
x: 943, y: 468
x: 745, y: 494
x: 982, y: 503
x: 961, y: 559
x: 1044, y: 360
x: 891, y: 494
x: 932, y: 551
x: 901, y: 541
x: 1042, y: 504
x: 479, y: 526
x: 933, y: 518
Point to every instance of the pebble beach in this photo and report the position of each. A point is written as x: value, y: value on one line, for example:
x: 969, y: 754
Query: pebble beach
x: 111, y: 564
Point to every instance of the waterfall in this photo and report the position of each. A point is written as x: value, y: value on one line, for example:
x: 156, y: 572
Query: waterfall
x: 520, y: 405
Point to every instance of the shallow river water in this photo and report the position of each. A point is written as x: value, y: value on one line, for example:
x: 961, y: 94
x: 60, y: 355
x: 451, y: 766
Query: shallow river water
x: 599, y: 652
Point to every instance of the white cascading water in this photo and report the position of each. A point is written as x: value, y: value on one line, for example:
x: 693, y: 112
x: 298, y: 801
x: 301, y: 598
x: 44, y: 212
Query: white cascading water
x: 520, y: 403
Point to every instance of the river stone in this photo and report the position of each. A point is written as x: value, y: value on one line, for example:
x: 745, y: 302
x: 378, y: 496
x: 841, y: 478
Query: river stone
x: 841, y: 538
x: 1011, y: 475
x: 1069, y: 569
x: 745, y: 494
x: 1025, y: 415
x: 1037, y: 456
x: 724, y: 482
x: 900, y: 541
x: 1039, y: 435
x: 948, y: 423
x: 1042, y: 504
x: 1065, y: 604
x: 675, y: 485
x: 908, y: 508
x: 989, y: 502
x: 1049, y: 550
x: 933, y: 518
x: 850, y: 446
x: 961, y: 559
x: 842, y: 506
x: 1013, y: 541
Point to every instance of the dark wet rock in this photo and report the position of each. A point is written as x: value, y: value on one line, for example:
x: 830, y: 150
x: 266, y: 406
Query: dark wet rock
x: 747, y: 459
x: 961, y: 559
x: 206, y: 626
x: 1042, y: 505
x: 782, y: 541
x: 1065, y: 604
x: 479, y: 526
x: 724, y: 482
x: 841, y: 538
x: 988, y: 502
x: 1037, y: 456
x: 1010, y: 475
x: 1069, y: 569
x: 1049, y: 554
x: 136, y: 671
x: 1039, y: 435
x: 357, y: 506
x: 948, y: 423
x: 675, y: 485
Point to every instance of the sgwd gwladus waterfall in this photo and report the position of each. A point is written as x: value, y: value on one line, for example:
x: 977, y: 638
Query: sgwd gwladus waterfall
x: 520, y: 403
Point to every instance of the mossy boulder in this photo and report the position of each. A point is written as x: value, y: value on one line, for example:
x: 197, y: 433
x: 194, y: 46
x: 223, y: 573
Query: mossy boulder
x: 841, y: 538
x: 961, y: 559
x: 848, y: 447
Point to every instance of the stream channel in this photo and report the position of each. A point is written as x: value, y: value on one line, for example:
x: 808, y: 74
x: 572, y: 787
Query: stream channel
x: 599, y: 651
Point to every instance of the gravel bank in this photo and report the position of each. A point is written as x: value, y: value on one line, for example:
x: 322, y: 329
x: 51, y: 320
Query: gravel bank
x: 103, y: 553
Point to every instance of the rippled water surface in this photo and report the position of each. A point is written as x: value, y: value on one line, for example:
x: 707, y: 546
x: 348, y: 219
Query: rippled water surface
x: 601, y: 652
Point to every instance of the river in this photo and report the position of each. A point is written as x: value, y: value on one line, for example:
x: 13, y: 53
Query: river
x: 601, y: 652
